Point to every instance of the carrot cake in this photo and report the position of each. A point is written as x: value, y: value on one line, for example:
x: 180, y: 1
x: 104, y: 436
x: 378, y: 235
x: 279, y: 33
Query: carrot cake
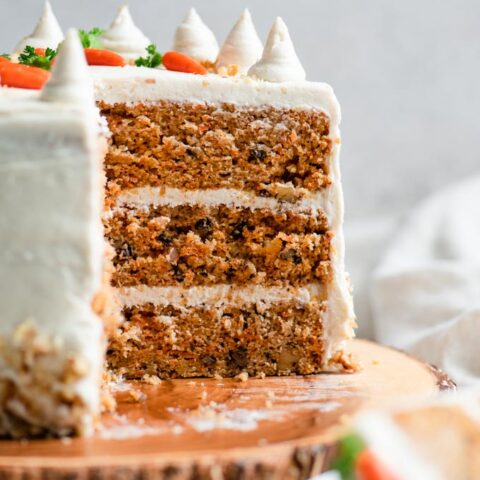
x: 223, y: 199
x: 225, y: 211
x: 53, y: 255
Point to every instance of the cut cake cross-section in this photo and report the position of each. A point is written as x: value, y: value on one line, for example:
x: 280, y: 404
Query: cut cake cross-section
x: 223, y: 206
x: 225, y: 209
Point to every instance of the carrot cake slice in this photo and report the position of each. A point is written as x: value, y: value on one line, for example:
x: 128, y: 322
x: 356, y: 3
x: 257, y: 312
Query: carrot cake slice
x: 225, y: 210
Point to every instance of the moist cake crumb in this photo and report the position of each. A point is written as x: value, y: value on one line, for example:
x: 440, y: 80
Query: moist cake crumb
x: 282, y: 155
x: 242, y: 377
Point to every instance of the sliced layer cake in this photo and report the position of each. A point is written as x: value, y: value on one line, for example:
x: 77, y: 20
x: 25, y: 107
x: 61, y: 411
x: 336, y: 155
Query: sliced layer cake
x: 225, y: 211
x: 223, y: 206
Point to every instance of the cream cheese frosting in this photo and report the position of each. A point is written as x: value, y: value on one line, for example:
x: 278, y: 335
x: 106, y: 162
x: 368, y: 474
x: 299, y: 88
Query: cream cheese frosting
x: 142, y: 197
x: 218, y: 295
x: 279, y: 62
x: 52, y: 255
x: 195, y: 39
x: 242, y: 46
x: 70, y: 81
x: 139, y: 84
x: 124, y: 37
x: 47, y: 33
x: 339, y: 322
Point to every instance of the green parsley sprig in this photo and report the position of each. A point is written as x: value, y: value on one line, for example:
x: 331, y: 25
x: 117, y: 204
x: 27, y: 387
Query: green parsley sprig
x: 349, y: 449
x: 29, y: 57
x: 91, y: 38
x: 152, y: 60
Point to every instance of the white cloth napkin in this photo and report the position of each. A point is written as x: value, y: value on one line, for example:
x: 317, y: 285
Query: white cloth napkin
x: 425, y: 293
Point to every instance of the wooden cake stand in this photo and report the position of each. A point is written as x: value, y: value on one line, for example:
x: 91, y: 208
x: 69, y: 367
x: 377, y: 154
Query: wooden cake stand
x: 275, y: 428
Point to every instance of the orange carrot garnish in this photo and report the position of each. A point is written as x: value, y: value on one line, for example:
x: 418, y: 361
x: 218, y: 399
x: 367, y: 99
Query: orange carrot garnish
x: 22, y: 76
x: 41, y: 52
x: 370, y: 467
x: 4, y: 60
x: 107, y: 58
x: 179, y: 62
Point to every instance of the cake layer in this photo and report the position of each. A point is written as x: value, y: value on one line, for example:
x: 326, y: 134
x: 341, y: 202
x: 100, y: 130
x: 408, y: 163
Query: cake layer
x: 201, y: 146
x: 168, y: 341
x: 198, y: 245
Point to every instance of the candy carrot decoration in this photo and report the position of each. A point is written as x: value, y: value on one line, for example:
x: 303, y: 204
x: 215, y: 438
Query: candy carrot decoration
x: 178, y: 62
x: 22, y: 76
x: 369, y: 467
x: 107, y: 58
x: 42, y: 52
x: 37, y: 57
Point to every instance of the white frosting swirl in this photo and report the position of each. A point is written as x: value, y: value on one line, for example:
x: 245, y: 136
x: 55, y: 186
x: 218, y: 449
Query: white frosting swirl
x: 242, y: 46
x: 195, y: 39
x: 124, y: 37
x: 279, y: 62
x: 71, y: 81
x: 47, y: 33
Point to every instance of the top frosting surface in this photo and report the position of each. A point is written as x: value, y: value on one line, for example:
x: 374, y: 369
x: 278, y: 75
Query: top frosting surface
x: 138, y: 84
x: 279, y: 62
x: 124, y: 37
x: 47, y: 33
x: 195, y: 39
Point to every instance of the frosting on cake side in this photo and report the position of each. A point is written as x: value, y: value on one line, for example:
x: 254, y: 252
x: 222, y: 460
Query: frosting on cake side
x: 52, y: 341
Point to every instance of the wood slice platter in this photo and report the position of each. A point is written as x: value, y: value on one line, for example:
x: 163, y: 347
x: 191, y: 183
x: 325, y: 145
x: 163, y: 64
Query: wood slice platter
x: 275, y: 428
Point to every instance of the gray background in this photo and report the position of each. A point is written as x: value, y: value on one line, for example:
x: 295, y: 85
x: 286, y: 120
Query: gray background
x: 406, y: 74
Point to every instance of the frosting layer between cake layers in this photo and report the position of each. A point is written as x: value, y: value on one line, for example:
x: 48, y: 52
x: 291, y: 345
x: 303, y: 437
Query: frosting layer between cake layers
x: 263, y: 240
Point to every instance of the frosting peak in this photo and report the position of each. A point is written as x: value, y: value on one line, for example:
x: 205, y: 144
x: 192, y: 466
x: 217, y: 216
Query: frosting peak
x: 195, y: 39
x: 47, y: 33
x: 242, y: 46
x: 70, y: 81
x: 124, y: 37
x: 279, y: 62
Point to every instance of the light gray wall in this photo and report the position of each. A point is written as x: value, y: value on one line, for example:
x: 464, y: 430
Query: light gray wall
x: 406, y: 74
